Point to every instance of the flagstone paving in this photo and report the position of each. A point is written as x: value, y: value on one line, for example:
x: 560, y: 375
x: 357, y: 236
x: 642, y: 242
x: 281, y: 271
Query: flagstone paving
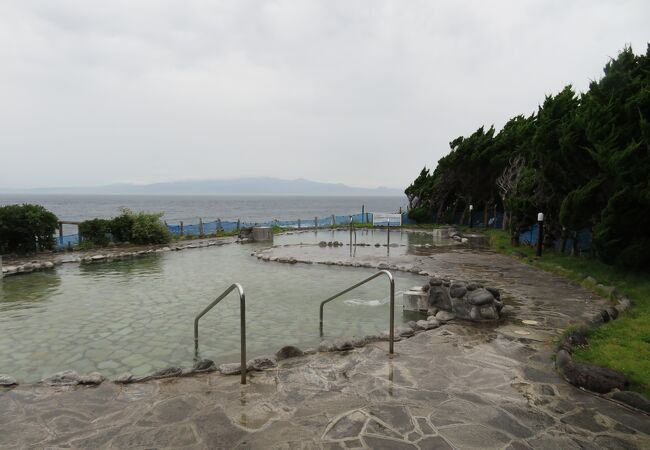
x: 459, y: 386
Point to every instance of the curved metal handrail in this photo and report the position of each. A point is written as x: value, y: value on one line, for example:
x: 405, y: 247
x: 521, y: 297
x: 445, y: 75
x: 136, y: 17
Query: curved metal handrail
x: 242, y: 308
x: 391, y: 331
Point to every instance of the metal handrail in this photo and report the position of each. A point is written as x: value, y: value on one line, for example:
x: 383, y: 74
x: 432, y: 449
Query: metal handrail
x: 391, y: 331
x: 242, y: 307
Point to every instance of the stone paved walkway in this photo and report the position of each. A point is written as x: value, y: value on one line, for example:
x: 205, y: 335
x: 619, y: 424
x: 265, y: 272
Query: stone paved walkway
x: 459, y: 386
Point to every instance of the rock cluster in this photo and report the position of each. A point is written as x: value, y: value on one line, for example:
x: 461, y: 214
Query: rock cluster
x: 72, y: 378
x: 465, y: 300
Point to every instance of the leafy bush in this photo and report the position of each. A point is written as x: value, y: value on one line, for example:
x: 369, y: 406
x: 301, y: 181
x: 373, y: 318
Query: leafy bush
x: 96, y: 231
x: 420, y: 214
x: 148, y: 229
x: 26, y: 228
x: 122, y: 225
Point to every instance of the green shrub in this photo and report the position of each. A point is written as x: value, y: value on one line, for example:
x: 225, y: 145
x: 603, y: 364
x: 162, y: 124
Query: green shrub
x: 26, y: 228
x: 96, y: 231
x: 122, y: 225
x: 148, y: 229
x: 420, y: 214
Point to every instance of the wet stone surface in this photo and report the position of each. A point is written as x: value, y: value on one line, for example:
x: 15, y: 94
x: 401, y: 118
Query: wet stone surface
x: 459, y: 386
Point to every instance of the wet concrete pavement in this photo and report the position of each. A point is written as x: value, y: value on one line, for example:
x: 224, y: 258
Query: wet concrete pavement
x: 459, y: 386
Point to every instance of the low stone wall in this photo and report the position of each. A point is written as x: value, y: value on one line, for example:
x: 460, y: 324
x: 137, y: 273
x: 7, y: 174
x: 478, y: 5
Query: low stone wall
x: 466, y: 300
x: 594, y: 378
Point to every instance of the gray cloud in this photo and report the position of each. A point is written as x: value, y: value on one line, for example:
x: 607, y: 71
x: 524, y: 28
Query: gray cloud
x: 360, y: 92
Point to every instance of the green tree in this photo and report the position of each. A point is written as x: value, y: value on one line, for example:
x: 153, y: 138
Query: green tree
x: 26, y: 228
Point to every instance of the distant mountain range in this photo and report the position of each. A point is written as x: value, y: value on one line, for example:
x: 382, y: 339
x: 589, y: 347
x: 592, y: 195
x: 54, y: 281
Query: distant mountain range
x: 252, y: 186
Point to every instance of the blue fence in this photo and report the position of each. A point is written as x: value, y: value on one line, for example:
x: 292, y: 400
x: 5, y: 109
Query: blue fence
x: 207, y: 228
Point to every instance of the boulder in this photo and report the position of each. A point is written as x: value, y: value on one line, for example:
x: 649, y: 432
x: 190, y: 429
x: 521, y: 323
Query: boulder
x: 204, y: 365
x: 261, y: 363
x: 633, y: 399
x: 404, y: 331
x: 480, y: 297
x: 288, y: 351
x: 562, y: 359
x: 326, y: 346
x: 457, y: 289
x: 341, y: 345
x: 167, y: 372
x: 444, y: 316
x: 495, y: 292
x: 439, y: 298
x: 594, y: 378
x: 92, y: 379
x: 6, y: 380
x: 461, y: 308
x: 67, y: 378
x: 124, y: 378
x: 427, y: 325
x: 230, y: 369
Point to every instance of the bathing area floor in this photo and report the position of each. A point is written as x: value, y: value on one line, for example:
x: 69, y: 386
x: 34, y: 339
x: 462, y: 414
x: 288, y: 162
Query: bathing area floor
x: 459, y: 386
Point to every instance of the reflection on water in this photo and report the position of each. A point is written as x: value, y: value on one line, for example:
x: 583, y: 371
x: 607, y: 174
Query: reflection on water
x: 137, y: 315
x: 370, y: 240
x: 21, y: 292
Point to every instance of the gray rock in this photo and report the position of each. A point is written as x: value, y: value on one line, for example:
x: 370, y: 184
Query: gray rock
x: 495, y: 292
x: 624, y: 303
x: 445, y: 316
x: 435, y: 322
x: 66, y: 378
x: 475, y: 313
x: 261, y: 363
x: 288, y: 351
x: 92, y: 379
x: 204, y: 365
x: 461, y: 308
x: 6, y: 380
x: 594, y: 378
x: 562, y: 359
x: 125, y: 378
x: 489, y: 312
x: 322, y: 244
x: 480, y: 297
x: 341, y: 345
x: 457, y: 290
x: 439, y: 298
x: 427, y: 325
x: 358, y: 341
x: 433, y: 281
x: 167, y: 372
x: 326, y: 346
x: 613, y: 312
x: 230, y: 369
x: 473, y: 286
x: 634, y: 399
x: 404, y: 331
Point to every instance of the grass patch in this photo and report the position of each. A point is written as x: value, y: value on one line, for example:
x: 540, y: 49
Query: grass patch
x: 622, y: 344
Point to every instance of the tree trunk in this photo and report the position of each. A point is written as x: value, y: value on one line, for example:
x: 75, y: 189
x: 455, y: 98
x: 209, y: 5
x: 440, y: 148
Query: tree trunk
x: 453, y: 213
x: 439, y: 213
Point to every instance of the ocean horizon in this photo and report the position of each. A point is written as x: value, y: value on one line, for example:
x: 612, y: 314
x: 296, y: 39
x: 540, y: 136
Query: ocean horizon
x: 189, y: 208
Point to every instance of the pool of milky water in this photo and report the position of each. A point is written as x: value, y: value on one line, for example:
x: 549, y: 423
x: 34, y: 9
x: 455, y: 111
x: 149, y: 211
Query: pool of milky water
x: 137, y: 315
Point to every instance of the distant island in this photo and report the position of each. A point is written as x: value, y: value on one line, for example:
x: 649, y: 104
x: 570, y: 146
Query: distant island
x: 239, y: 186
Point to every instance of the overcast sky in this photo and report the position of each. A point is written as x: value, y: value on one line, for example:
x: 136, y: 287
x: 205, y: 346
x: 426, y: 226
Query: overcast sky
x: 360, y: 92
